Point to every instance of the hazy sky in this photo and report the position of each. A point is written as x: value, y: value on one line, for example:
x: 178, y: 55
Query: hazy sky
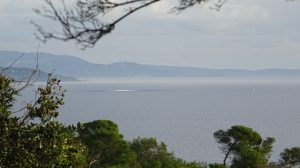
x: 251, y: 34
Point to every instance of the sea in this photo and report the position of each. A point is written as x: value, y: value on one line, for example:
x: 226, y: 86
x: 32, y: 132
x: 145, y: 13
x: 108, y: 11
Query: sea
x: 185, y: 112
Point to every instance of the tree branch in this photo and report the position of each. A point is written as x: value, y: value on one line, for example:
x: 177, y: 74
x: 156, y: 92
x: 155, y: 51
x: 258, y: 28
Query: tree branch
x: 82, y: 22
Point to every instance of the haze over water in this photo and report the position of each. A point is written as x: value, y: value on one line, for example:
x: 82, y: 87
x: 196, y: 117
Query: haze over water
x: 185, y: 112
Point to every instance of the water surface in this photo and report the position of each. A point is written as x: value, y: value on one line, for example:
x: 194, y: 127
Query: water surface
x: 184, y: 113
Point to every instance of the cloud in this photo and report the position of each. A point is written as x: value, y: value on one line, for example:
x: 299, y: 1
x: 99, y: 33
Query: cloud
x: 15, y: 7
x: 160, y: 8
x: 243, y: 13
x: 245, y: 33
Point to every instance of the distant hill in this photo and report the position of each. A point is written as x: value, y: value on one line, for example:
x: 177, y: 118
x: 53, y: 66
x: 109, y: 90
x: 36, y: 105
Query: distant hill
x: 73, y: 66
x: 22, y: 74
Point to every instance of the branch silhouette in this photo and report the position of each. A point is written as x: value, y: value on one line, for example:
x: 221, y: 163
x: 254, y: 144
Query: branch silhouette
x: 84, y: 22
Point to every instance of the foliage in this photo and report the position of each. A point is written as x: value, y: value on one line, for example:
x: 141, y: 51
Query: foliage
x: 8, y: 93
x: 290, y: 157
x: 217, y: 165
x: 106, y: 146
x: 35, y: 138
x: 151, y: 154
x: 244, y: 146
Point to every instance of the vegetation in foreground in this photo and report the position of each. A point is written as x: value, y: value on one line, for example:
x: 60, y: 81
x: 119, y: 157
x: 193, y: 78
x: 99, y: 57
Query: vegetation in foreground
x: 32, y: 137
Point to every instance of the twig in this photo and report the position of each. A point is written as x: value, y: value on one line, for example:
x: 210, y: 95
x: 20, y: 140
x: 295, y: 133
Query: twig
x: 13, y: 63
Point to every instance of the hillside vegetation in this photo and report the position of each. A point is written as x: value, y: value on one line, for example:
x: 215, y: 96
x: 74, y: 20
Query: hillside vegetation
x: 32, y: 137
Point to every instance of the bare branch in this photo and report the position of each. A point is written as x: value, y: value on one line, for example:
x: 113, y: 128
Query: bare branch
x: 185, y: 4
x: 24, y: 83
x: 12, y: 64
x: 83, y: 24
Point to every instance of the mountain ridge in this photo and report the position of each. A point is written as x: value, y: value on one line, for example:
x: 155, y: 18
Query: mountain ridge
x: 23, y: 74
x: 74, y: 66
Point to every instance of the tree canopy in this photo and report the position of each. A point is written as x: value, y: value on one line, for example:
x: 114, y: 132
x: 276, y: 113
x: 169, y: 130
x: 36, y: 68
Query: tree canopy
x: 151, y: 154
x: 35, y: 138
x: 244, y: 147
x: 290, y: 157
x: 105, y: 145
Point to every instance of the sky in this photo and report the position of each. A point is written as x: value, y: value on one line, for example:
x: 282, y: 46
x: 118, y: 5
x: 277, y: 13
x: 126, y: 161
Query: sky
x: 244, y: 34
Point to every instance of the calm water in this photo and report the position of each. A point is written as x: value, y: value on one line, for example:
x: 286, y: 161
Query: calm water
x: 185, y: 113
